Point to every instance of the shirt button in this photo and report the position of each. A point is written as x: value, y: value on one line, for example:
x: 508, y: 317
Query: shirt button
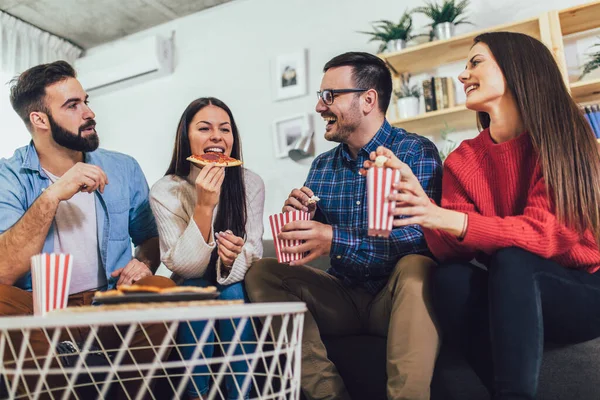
x: 358, y: 203
x: 338, y: 257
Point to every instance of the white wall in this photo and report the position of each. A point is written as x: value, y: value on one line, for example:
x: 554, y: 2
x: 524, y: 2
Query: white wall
x: 226, y: 52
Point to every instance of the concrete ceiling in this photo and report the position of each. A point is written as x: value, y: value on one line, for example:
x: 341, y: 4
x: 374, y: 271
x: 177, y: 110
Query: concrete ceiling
x: 88, y: 23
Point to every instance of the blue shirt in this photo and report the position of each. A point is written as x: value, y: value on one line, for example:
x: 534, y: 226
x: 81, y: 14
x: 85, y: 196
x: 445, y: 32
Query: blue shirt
x: 123, y: 211
x: 356, y: 258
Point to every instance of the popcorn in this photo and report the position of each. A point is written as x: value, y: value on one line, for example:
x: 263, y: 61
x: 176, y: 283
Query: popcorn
x: 380, y: 161
x: 379, y: 187
x: 277, y: 222
x: 313, y: 200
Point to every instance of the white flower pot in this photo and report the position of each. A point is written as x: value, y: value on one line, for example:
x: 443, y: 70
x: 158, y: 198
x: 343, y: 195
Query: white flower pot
x: 408, y: 107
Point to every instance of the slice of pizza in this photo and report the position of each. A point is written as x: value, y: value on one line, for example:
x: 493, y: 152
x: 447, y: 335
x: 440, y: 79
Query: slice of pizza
x: 220, y: 160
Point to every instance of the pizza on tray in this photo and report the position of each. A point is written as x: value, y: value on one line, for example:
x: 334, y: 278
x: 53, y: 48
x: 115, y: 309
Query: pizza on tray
x: 220, y: 160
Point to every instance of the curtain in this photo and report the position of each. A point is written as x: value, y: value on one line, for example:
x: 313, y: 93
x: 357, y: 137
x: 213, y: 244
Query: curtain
x: 23, y: 46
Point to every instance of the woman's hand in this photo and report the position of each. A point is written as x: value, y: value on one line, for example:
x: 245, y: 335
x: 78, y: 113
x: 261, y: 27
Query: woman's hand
x: 229, y: 247
x: 208, y: 185
x: 412, y: 203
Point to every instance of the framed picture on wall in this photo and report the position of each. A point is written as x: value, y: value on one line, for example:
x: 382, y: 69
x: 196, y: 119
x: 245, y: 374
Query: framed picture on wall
x: 287, y: 131
x: 290, y: 75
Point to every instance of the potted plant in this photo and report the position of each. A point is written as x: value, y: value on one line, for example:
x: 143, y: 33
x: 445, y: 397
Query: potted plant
x: 393, y: 36
x: 444, y: 16
x: 594, y: 62
x: 408, y: 97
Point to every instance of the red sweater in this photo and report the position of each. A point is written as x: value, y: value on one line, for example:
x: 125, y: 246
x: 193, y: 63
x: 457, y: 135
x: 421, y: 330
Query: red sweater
x: 501, y: 188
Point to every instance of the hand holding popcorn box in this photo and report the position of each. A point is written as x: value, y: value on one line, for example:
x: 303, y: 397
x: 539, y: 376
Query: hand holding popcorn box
x: 51, y: 278
x: 379, y: 187
x: 277, y: 222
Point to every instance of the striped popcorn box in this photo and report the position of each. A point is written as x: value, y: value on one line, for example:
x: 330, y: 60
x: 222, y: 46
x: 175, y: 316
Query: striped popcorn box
x: 277, y: 222
x: 51, y: 278
x: 379, y: 187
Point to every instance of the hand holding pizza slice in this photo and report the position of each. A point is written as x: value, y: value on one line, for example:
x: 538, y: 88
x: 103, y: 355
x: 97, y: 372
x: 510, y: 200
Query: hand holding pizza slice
x: 219, y: 159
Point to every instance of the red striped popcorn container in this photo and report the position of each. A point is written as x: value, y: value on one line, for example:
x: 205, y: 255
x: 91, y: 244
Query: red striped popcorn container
x: 277, y: 222
x: 51, y: 278
x: 379, y: 186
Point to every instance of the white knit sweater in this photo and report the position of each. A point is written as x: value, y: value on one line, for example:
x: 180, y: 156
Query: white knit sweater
x: 183, y: 248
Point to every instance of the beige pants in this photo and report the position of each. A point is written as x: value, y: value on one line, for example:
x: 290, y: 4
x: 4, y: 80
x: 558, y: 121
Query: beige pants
x: 401, y: 311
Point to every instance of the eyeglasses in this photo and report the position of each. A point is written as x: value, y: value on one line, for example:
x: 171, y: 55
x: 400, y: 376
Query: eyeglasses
x: 328, y: 95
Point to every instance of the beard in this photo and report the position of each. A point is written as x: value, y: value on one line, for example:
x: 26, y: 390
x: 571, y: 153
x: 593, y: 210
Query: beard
x: 345, y: 126
x: 344, y: 129
x: 74, y: 141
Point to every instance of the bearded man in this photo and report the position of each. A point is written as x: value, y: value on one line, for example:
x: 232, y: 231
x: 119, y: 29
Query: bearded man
x: 61, y: 194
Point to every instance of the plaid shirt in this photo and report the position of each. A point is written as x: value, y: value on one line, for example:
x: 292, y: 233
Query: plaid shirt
x: 358, y: 259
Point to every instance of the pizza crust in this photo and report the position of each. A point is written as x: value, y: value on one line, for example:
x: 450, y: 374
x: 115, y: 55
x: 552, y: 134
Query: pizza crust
x: 189, y: 289
x: 139, y: 289
x: 109, y: 293
x: 230, y: 163
x: 124, y: 289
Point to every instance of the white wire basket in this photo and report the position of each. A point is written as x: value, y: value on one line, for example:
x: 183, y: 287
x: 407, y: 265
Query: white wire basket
x: 69, y: 355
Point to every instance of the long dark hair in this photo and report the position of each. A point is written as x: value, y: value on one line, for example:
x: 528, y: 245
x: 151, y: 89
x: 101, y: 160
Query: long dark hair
x: 561, y: 136
x: 231, y: 213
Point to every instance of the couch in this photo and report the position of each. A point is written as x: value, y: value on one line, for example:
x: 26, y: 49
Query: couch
x: 570, y: 372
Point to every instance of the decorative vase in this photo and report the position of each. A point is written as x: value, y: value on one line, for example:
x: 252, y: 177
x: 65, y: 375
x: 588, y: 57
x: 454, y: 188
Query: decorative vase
x: 444, y: 30
x: 408, y: 107
x: 396, y: 45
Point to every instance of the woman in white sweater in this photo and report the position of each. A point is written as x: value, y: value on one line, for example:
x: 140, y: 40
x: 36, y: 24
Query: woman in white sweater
x: 210, y: 224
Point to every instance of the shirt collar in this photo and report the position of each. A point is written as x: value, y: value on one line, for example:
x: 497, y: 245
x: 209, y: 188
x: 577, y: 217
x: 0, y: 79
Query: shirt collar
x: 380, y: 139
x: 31, y: 160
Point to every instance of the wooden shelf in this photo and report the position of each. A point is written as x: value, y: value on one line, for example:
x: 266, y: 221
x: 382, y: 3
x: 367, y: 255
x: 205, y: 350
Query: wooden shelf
x: 585, y: 91
x: 432, y: 123
x: 580, y: 18
x: 430, y: 55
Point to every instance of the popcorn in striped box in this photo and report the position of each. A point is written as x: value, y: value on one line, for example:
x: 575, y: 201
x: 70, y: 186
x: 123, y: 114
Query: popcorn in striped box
x: 379, y: 187
x: 277, y: 222
x: 51, y: 279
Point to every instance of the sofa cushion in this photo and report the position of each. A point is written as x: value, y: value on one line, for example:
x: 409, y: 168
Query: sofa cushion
x: 568, y: 372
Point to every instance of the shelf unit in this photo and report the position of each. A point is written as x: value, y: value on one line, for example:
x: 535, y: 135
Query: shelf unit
x: 431, y: 123
x: 549, y: 28
x: 586, y: 90
x: 574, y: 20
x: 430, y: 55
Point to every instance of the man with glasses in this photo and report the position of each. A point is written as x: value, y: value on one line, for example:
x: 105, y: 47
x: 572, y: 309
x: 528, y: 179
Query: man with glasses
x: 374, y: 285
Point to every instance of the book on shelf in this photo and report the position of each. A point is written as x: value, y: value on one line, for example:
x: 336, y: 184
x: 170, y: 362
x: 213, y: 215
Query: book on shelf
x: 450, y: 90
x: 428, y: 95
x: 439, y: 93
x: 592, y: 114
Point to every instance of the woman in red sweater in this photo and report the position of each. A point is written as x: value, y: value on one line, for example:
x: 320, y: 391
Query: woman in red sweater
x: 523, y: 198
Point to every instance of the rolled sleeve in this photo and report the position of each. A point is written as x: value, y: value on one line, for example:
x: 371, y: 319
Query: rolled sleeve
x: 12, y: 200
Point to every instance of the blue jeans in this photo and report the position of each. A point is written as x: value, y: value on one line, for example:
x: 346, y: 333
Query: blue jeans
x: 226, y: 331
x: 500, y: 318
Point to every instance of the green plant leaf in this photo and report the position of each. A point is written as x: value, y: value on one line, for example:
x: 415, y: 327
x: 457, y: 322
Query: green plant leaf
x: 593, y: 63
x: 448, y: 11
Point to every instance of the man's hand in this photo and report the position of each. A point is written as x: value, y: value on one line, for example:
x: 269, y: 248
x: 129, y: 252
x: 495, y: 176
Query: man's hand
x: 298, y: 200
x: 229, y: 247
x: 81, y: 177
x: 131, y: 273
x: 317, y: 237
